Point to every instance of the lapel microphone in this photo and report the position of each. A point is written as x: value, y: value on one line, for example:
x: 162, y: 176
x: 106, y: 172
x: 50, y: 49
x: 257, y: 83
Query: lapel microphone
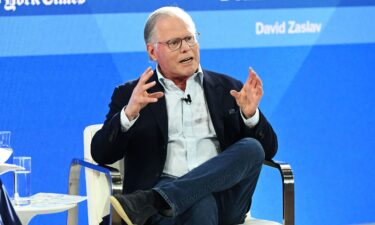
x: 187, y: 99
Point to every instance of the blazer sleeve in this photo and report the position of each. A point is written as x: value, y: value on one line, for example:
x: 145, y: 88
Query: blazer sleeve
x: 109, y: 143
x: 265, y: 134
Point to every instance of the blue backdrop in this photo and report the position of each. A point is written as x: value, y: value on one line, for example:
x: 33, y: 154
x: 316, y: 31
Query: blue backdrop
x: 60, y: 63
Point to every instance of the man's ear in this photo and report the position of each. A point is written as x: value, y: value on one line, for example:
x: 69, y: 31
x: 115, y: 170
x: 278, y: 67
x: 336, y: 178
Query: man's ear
x: 151, y: 50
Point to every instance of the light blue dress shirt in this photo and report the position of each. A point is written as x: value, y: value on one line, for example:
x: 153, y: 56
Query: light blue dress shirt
x: 191, y: 136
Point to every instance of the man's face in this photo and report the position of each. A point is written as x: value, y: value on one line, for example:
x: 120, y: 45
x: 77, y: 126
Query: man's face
x: 178, y: 64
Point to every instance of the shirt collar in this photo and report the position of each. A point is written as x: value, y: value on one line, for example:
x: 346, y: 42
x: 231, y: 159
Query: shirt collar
x: 162, y: 79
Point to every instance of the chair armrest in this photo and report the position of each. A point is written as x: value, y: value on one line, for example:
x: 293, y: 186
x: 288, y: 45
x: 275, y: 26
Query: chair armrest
x: 113, y: 177
x: 116, y: 178
x: 288, y: 189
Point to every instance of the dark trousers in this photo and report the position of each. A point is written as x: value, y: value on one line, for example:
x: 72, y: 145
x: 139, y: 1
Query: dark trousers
x: 7, y: 214
x: 218, y: 192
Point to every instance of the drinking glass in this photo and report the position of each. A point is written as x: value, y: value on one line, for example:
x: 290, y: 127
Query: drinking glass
x: 22, y: 189
x: 5, y: 149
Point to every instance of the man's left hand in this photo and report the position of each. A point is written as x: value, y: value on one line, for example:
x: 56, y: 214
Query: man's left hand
x: 249, y: 96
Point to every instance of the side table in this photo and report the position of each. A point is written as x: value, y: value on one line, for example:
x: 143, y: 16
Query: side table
x: 46, y: 203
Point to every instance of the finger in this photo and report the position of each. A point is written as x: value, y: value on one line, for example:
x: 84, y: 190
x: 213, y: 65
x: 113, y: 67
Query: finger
x: 148, y: 85
x: 149, y: 100
x: 259, y: 84
x: 235, y: 94
x: 153, y: 97
x: 248, y: 80
x: 260, y: 80
x: 248, y: 86
x: 260, y: 90
x: 146, y: 75
x: 255, y: 84
x: 257, y: 79
x: 158, y: 94
x: 253, y: 77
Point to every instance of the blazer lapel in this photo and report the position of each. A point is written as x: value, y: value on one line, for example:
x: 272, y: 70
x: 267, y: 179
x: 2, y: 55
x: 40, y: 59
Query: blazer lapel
x: 159, y: 109
x: 213, y: 92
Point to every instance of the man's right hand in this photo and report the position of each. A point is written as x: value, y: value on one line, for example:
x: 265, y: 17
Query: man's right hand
x: 140, y: 97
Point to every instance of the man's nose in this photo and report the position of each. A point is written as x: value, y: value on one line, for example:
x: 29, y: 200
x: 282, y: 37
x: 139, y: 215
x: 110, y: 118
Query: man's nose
x: 184, y: 45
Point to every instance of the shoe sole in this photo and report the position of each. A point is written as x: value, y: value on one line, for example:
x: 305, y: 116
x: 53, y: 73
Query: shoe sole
x: 117, y: 206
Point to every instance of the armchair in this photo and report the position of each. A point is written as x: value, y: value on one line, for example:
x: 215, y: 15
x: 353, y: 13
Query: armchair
x: 101, y: 182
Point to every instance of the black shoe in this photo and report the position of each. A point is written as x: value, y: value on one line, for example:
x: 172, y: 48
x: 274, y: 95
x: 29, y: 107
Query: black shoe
x: 134, y: 208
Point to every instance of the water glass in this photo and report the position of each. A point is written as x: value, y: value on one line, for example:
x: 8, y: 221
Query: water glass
x: 5, y: 149
x: 22, y: 186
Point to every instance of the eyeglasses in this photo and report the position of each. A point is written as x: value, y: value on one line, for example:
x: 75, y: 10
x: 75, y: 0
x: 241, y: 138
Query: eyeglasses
x: 176, y: 43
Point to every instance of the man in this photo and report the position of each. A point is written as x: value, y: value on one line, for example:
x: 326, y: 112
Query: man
x: 193, y: 141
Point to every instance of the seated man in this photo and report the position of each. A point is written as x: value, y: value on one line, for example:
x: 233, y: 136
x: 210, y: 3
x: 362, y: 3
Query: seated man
x: 7, y: 214
x: 193, y: 140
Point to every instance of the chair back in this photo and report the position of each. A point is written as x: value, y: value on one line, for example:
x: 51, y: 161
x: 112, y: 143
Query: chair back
x: 97, y: 187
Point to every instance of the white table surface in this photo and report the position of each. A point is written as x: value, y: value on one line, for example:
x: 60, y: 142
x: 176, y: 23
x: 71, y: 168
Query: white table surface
x: 46, y: 203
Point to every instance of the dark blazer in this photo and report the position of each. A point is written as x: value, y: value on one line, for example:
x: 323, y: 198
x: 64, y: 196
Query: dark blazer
x: 144, y: 145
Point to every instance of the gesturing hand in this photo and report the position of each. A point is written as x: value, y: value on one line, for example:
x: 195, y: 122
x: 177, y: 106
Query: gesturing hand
x: 140, y: 97
x: 249, y: 96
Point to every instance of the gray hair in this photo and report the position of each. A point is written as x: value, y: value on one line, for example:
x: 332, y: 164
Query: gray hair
x: 168, y: 11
